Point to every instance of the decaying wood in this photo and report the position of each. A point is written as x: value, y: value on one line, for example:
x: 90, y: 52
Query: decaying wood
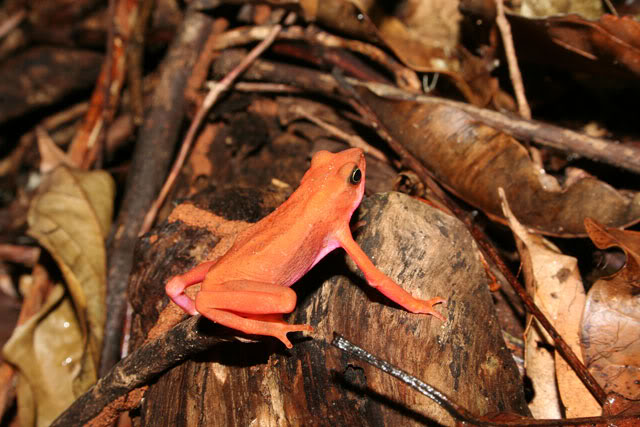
x: 26, y: 87
x: 430, y: 254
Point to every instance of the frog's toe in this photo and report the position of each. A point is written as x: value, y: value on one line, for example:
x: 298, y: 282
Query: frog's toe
x: 426, y: 307
x: 286, y: 328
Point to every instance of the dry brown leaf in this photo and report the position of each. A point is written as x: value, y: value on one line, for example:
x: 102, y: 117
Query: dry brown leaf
x: 70, y: 216
x: 559, y: 293
x: 608, y: 46
x: 540, y: 366
x: 611, y: 318
x: 51, y: 156
x: 58, y: 352
x: 47, y: 351
x: 591, y: 9
x: 423, y: 35
x: 473, y: 160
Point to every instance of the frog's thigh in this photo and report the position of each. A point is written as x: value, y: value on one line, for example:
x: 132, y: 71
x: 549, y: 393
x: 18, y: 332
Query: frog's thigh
x: 247, y: 297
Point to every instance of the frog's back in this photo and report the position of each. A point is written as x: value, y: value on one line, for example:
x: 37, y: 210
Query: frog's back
x: 280, y: 248
x: 283, y: 246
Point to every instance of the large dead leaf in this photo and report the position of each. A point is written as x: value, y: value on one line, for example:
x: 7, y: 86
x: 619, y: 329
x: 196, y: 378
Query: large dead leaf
x: 473, y: 160
x: 611, y: 318
x: 47, y: 350
x: 557, y: 289
x: 424, y: 35
x: 70, y: 216
x: 609, y: 46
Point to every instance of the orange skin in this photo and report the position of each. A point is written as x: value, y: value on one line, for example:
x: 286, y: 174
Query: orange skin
x: 248, y: 288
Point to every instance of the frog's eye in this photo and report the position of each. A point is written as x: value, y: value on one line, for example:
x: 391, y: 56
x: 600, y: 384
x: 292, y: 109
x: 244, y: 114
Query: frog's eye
x: 356, y: 175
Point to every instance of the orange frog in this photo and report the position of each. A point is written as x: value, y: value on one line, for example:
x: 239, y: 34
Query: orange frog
x: 248, y: 288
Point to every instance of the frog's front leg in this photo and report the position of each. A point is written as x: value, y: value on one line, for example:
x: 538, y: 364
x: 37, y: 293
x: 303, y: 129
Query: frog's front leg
x: 251, y: 307
x: 384, y: 284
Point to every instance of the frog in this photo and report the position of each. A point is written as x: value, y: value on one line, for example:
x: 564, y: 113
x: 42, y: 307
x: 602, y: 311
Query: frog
x: 248, y: 289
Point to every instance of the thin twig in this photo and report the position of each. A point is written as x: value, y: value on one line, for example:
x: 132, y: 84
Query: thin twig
x: 135, y: 57
x: 12, y: 22
x: 208, y: 102
x: 107, y: 113
x: 352, y: 140
x: 202, y: 66
x: 510, y: 52
x: 27, y: 255
x: 456, y: 411
x: 89, y: 139
x: 611, y: 8
x: 266, y: 87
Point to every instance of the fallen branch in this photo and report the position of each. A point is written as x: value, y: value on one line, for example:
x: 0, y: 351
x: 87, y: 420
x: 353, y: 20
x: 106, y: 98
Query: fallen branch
x: 151, y: 159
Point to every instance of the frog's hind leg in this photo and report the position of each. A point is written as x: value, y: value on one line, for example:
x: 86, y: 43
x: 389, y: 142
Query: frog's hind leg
x: 177, y: 284
x: 251, y: 307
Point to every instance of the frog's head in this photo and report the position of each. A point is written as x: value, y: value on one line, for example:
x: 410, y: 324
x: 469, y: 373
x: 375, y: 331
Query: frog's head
x: 337, y: 180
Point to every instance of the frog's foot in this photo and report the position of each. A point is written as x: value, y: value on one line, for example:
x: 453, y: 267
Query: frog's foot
x: 280, y: 331
x: 278, y: 327
x: 426, y: 307
x: 177, y: 284
x: 251, y: 325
